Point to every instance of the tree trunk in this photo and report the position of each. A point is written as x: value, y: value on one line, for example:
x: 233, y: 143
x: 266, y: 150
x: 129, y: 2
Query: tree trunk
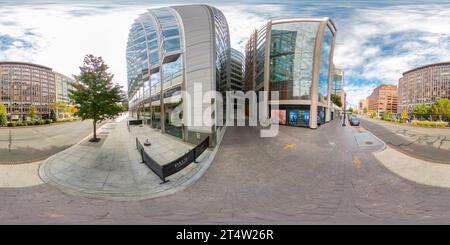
x: 95, y: 130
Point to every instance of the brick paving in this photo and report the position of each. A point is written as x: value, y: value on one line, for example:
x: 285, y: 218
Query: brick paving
x: 301, y: 176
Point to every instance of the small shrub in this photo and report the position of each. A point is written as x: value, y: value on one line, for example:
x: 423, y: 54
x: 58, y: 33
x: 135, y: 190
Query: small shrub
x: 11, y: 124
x: 48, y: 121
x: 430, y: 124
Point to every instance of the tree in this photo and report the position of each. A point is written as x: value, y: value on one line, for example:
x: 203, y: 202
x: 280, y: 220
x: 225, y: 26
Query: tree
x: 336, y: 99
x: 53, y: 115
x: 59, y: 107
x: 365, y: 110
x: 421, y: 110
x: 33, y: 111
x: 3, y: 113
x: 441, y: 109
x: 404, y: 114
x: 94, y: 93
x: 72, y: 109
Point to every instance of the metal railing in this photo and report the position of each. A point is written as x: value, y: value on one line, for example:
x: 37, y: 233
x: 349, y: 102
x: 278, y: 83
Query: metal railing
x: 163, y: 171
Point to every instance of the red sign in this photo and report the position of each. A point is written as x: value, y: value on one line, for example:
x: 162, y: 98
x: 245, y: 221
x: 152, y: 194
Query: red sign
x: 280, y: 114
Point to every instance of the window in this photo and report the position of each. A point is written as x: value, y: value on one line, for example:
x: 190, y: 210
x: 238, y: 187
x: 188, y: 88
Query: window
x: 172, y: 45
x: 171, y: 32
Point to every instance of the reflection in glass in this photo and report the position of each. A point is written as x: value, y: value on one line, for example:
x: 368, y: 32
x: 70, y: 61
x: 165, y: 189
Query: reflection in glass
x: 291, y: 59
x: 171, y: 71
x: 324, y: 64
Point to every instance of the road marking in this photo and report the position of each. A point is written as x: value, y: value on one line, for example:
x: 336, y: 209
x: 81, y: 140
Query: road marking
x: 356, y: 161
x: 289, y: 146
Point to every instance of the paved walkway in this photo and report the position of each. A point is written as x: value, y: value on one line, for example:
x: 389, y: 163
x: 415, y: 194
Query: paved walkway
x: 302, y: 176
x: 19, y: 175
x: 420, y: 171
x: 36, y: 143
x: 429, y: 144
x: 112, y: 168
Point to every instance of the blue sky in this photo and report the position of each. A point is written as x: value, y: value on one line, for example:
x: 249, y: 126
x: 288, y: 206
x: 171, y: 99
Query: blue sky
x: 376, y: 40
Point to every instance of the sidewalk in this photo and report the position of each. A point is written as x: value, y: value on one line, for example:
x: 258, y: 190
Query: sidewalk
x: 19, y: 175
x: 413, y: 169
x: 112, y: 168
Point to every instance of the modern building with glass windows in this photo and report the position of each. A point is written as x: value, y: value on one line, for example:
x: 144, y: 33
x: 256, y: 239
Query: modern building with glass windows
x: 236, y: 71
x: 173, y: 50
x: 338, y: 84
x: 24, y: 85
x: 295, y: 57
x: 423, y: 85
x: 64, y: 85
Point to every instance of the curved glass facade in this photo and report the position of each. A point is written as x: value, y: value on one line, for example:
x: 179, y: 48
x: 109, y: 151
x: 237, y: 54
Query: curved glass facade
x: 299, y: 67
x: 157, y: 51
x: 324, y: 72
x: 291, y: 59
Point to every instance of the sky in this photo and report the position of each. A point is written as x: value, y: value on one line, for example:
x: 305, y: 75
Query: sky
x: 376, y: 40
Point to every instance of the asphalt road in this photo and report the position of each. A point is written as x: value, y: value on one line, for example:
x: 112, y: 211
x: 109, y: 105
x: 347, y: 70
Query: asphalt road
x: 302, y: 176
x: 423, y: 143
x: 27, y: 144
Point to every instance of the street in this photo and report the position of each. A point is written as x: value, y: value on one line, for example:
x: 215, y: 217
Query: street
x: 27, y: 144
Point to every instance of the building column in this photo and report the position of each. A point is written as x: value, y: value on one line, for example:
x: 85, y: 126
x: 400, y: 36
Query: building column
x: 267, y: 68
x: 330, y: 82
x: 314, y: 94
x: 161, y: 98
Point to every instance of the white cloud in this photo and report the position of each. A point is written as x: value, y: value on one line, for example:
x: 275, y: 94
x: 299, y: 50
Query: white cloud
x: 412, y: 35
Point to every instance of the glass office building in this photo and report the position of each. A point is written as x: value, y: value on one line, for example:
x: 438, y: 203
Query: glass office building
x: 170, y: 50
x: 64, y: 85
x: 294, y: 57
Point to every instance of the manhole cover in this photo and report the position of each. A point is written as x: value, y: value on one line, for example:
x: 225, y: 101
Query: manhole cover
x: 368, y: 142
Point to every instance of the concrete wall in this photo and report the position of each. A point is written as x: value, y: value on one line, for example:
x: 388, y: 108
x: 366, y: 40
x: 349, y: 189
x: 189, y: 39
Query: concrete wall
x: 198, y: 27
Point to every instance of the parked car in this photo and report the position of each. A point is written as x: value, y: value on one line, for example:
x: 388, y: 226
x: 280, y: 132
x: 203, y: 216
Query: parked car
x: 353, y: 120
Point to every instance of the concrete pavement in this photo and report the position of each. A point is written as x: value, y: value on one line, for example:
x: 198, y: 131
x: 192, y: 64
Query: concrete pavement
x: 20, y: 175
x: 420, y: 171
x: 112, y: 168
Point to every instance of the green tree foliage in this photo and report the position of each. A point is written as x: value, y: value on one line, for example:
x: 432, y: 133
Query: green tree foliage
x: 53, y: 115
x: 421, y: 110
x: 95, y: 94
x: 59, y: 107
x: 336, y: 99
x: 33, y: 111
x: 441, y: 109
x: 3, y: 112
